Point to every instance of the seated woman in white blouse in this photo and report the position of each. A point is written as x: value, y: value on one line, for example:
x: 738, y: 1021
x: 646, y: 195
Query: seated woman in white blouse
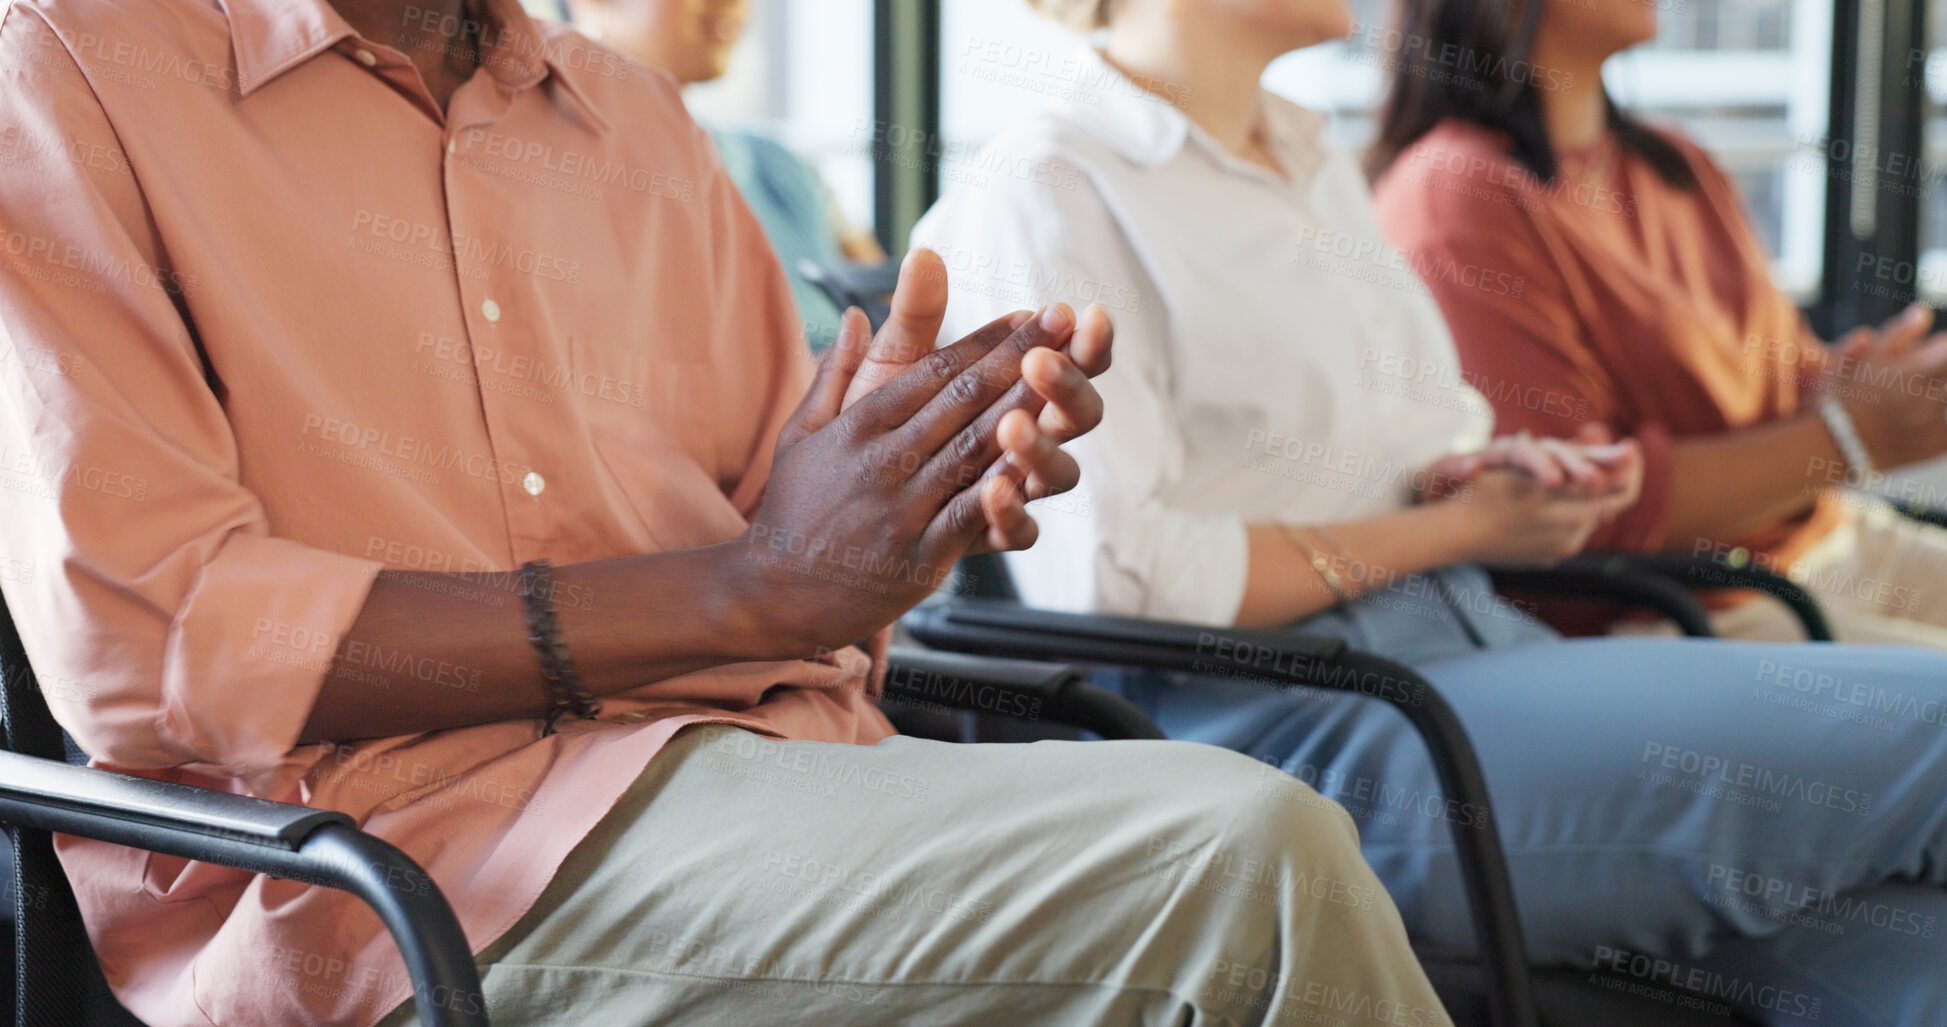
x: 1286, y: 431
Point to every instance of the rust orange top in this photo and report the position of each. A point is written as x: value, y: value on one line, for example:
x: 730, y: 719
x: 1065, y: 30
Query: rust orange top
x: 1646, y: 307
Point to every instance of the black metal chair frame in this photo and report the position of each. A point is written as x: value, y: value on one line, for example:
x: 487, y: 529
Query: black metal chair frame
x: 1665, y: 583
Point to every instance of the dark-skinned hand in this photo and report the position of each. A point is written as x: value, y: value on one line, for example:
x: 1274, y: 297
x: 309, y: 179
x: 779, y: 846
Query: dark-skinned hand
x: 877, y: 491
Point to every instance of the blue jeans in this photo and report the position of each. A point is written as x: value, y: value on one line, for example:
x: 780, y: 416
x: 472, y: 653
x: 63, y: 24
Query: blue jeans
x: 1764, y: 826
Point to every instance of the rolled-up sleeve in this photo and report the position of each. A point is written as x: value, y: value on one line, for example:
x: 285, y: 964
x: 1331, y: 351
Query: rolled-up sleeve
x: 1116, y: 544
x: 168, y: 625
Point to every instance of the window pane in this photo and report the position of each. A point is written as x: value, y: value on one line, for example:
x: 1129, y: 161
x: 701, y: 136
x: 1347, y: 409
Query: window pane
x: 1746, y: 78
x: 802, y: 77
x: 1932, y: 179
x: 803, y: 73
x: 1751, y: 84
x: 999, y: 63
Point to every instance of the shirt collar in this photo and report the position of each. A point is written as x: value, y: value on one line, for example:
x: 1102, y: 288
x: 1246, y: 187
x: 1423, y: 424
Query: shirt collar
x: 1143, y: 127
x: 1148, y: 126
x: 270, y: 37
x: 557, y: 45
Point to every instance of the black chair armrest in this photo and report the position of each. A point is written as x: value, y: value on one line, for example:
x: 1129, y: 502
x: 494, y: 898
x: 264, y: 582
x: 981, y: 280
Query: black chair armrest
x: 1922, y: 513
x: 1706, y: 573
x: 1663, y: 582
x: 1616, y: 577
x: 999, y: 628
x: 1020, y: 689
x: 990, y: 628
x: 133, y: 811
x: 315, y: 846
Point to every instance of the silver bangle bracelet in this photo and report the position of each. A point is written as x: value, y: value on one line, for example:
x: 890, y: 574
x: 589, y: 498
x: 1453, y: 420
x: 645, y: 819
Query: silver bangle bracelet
x: 1859, y: 460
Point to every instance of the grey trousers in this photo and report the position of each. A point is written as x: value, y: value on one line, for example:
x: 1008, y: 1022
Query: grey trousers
x: 743, y: 880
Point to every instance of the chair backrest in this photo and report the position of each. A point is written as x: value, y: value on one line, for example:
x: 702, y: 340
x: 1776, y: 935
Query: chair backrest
x: 985, y: 577
x: 866, y: 286
x: 25, y: 724
x: 56, y: 979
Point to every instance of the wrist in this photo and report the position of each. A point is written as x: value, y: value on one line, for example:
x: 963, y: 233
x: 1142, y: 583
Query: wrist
x: 750, y: 609
x: 1459, y: 529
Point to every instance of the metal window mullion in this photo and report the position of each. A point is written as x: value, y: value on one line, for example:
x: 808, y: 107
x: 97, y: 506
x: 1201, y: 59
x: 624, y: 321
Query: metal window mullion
x: 907, y: 143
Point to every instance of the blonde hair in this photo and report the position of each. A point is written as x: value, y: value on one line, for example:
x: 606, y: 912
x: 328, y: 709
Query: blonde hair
x: 1085, y: 15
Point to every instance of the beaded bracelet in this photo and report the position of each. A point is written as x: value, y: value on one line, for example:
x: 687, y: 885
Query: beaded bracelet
x: 557, y: 666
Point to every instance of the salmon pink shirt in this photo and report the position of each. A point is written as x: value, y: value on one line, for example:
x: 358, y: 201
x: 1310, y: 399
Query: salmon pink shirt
x: 270, y: 322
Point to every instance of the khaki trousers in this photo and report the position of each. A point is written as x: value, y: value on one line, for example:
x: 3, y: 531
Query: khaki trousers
x: 743, y: 880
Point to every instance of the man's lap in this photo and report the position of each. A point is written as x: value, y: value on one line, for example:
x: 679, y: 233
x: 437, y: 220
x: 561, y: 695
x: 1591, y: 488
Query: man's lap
x: 747, y: 880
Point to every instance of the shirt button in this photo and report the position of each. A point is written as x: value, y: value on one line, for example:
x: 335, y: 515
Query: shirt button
x: 491, y: 311
x: 534, y: 484
x: 366, y: 57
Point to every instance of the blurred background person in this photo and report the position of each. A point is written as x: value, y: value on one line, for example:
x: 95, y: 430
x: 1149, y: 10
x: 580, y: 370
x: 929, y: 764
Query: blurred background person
x: 1274, y: 453
x: 1648, y: 306
x: 692, y: 40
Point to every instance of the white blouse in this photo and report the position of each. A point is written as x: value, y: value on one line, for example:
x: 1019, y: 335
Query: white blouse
x: 1275, y: 359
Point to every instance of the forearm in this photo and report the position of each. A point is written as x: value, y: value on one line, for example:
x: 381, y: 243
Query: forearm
x: 1283, y: 586
x: 436, y: 651
x: 1727, y: 486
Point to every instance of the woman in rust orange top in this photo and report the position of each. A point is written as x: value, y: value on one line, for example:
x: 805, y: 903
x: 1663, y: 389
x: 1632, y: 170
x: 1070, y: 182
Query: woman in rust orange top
x: 1648, y: 307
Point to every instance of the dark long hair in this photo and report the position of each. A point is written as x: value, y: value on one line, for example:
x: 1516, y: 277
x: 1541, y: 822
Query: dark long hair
x: 1474, y: 60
